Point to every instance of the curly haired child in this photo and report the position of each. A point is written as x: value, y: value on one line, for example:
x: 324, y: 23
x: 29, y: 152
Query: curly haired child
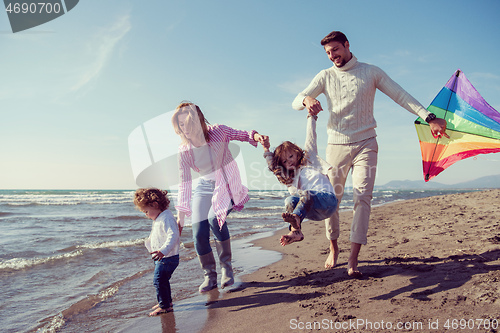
x: 304, y: 173
x: 163, y: 243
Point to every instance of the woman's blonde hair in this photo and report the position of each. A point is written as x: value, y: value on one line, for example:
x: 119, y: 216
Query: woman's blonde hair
x: 194, y: 115
x: 284, y: 175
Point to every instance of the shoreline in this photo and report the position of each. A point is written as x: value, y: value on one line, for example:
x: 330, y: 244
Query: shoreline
x: 190, y: 313
x: 416, y: 262
x: 428, y: 264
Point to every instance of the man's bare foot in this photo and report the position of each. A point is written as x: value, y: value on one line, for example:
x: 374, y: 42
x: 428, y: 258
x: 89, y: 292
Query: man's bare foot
x: 331, y: 261
x: 159, y: 311
x: 293, y: 219
x: 352, y: 263
x: 352, y: 269
x: 292, y: 237
x: 333, y: 257
x: 354, y: 273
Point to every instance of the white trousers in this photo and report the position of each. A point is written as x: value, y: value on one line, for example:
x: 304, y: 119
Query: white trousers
x: 361, y: 158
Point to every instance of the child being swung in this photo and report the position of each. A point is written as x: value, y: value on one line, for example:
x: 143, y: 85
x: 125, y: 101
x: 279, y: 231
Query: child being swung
x: 163, y: 243
x: 304, y: 173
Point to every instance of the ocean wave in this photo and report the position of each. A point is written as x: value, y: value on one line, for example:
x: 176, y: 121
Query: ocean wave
x: 268, y: 225
x: 264, y: 208
x: 32, y: 204
x: 23, y: 263
x: 112, y: 244
x: 128, y: 217
x: 53, y: 325
x: 268, y: 194
x: 71, y: 252
x: 238, y: 215
x: 48, y: 198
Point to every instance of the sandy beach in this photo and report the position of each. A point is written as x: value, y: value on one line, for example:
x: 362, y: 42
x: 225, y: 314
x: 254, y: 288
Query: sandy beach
x: 430, y: 265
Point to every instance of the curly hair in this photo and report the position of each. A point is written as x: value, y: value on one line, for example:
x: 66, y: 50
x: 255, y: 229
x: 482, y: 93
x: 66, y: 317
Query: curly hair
x: 151, y: 197
x: 284, y: 175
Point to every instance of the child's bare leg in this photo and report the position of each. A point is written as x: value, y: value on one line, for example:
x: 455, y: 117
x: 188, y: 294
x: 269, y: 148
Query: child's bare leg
x: 352, y: 263
x: 331, y: 261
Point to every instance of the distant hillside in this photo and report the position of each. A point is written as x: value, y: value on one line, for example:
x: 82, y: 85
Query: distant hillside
x: 411, y: 184
x: 483, y: 182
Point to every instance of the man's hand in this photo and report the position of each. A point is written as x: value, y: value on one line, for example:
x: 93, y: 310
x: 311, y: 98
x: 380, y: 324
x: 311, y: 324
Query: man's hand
x: 312, y: 105
x: 438, y: 128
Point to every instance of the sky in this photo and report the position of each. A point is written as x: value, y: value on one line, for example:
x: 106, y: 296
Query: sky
x: 73, y: 90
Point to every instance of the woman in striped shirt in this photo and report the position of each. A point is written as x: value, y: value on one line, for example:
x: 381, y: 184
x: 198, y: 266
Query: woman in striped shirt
x: 205, y: 149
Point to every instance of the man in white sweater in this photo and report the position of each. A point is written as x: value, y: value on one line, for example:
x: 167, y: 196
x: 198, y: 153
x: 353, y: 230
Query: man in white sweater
x: 349, y: 87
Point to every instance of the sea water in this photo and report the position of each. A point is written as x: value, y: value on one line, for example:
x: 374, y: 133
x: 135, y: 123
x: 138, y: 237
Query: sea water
x: 75, y: 261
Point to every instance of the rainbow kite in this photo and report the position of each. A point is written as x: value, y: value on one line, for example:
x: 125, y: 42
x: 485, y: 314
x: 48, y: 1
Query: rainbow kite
x: 473, y: 127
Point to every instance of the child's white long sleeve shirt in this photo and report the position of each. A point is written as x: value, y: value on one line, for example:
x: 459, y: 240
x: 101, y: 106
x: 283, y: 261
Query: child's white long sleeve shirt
x: 312, y: 176
x: 164, y: 235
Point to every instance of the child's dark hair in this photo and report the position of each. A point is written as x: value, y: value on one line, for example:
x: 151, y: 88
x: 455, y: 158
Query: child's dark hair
x: 286, y: 176
x: 151, y: 197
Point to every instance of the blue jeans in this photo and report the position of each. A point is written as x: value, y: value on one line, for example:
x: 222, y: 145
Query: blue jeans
x: 164, y: 268
x: 203, y: 218
x: 313, y: 205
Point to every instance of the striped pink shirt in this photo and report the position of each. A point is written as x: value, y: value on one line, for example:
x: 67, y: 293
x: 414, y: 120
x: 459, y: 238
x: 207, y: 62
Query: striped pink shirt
x: 227, y: 176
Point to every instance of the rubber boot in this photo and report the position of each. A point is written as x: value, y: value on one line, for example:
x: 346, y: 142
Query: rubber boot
x: 224, y: 252
x: 207, y: 262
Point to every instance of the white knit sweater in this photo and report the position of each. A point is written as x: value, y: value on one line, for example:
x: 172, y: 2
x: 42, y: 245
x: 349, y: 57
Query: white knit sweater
x: 350, y: 93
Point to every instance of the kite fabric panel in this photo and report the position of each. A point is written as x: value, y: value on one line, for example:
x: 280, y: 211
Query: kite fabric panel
x: 472, y: 124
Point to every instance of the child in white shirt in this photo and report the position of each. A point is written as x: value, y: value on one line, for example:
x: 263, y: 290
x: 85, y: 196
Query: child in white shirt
x: 304, y: 173
x: 163, y: 243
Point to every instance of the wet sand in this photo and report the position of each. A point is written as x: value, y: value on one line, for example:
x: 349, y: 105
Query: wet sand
x: 190, y: 315
x: 430, y: 265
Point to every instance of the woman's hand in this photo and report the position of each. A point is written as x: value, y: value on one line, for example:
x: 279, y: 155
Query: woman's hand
x: 262, y: 139
x: 180, y: 221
